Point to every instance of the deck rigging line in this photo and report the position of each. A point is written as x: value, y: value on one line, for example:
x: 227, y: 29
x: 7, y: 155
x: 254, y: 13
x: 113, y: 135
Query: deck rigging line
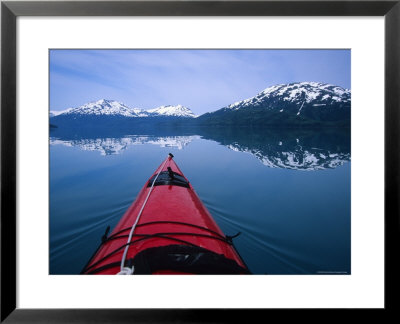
x: 126, y: 270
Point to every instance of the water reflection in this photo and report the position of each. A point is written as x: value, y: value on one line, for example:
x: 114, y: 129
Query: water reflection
x: 291, y: 222
x: 111, y: 146
x: 297, y: 149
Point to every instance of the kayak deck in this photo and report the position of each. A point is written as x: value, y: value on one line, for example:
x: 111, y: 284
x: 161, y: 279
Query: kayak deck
x: 171, y: 230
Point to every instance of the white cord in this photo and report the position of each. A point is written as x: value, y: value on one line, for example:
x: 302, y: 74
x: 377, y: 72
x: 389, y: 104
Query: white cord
x: 125, y: 270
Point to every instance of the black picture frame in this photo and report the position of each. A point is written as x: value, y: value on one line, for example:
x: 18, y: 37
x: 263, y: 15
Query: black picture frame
x: 10, y: 10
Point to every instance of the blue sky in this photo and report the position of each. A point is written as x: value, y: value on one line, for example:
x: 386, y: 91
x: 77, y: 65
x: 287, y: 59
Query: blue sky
x: 203, y: 80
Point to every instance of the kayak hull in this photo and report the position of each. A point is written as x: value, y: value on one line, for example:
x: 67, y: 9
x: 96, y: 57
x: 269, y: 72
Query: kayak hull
x: 173, y: 233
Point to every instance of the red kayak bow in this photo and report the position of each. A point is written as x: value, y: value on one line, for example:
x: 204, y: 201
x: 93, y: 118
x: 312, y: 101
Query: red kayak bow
x: 166, y: 230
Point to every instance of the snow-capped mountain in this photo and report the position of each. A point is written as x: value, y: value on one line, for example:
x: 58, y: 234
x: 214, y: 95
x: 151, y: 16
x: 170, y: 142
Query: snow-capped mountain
x: 314, y: 93
x: 114, y: 108
x: 102, y: 107
x: 56, y: 113
x: 304, y: 103
x: 176, y: 111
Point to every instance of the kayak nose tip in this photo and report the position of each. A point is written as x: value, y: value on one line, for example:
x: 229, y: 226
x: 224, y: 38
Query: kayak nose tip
x: 170, y: 155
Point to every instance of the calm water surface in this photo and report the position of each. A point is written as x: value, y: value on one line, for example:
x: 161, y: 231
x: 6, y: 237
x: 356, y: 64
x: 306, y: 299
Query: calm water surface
x: 287, y: 192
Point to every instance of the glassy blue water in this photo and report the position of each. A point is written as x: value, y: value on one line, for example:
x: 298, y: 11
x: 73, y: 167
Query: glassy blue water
x: 286, y: 191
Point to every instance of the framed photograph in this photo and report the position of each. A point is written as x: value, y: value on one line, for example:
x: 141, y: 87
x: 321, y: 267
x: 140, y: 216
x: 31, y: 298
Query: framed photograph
x: 244, y: 153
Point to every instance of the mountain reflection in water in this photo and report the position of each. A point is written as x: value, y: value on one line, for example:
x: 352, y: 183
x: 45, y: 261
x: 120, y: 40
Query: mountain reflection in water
x: 110, y: 146
x: 291, y: 222
x: 297, y: 149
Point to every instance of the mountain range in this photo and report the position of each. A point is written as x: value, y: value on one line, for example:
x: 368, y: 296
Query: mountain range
x: 305, y: 104
x: 106, y: 107
x: 294, y: 104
